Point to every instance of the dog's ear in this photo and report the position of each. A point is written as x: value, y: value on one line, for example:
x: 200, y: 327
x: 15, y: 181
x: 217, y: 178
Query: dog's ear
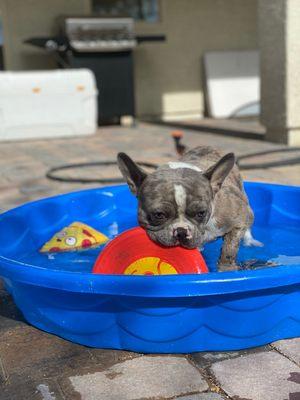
x: 132, y: 173
x: 217, y: 173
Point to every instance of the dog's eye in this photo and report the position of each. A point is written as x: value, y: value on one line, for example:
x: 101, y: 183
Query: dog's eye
x: 200, y: 214
x: 158, y: 217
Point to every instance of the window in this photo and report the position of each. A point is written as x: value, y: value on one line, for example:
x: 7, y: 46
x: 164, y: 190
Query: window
x: 140, y: 10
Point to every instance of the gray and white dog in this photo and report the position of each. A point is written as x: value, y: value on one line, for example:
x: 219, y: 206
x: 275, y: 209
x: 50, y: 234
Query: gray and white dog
x: 193, y: 201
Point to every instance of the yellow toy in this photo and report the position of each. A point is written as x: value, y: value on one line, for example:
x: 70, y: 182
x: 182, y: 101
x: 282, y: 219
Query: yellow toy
x: 150, y: 266
x: 77, y: 236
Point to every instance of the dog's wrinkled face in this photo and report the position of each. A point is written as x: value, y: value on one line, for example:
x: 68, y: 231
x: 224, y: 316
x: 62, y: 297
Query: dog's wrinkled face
x: 174, y: 207
x: 174, y: 204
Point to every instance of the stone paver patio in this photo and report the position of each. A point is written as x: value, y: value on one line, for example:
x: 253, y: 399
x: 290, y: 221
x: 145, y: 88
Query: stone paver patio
x: 37, y: 366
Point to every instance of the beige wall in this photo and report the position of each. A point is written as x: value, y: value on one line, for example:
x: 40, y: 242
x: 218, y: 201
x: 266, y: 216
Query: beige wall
x: 168, y: 75
x: 27, y: 18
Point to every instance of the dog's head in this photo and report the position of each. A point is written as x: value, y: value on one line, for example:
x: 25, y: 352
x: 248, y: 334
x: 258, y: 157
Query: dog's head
x: 175, y: 204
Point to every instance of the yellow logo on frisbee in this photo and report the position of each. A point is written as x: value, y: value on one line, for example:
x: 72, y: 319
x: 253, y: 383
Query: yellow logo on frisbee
x: 150, y: 266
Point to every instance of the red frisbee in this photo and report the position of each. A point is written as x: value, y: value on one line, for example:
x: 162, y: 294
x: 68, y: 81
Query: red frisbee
x: 134, y: 253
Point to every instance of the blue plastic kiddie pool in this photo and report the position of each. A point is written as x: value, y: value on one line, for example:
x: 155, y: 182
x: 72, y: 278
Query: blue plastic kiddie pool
x: 157, y: 314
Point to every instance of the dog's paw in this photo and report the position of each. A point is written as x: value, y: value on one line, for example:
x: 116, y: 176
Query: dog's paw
x: 249, y: 240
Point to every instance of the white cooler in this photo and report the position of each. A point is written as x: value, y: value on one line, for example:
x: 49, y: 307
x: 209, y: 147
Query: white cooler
x: 47, y: 104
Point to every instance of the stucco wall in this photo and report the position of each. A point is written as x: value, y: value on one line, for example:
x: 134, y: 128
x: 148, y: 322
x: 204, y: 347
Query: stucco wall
x: 28, y: 18
x: 168, y: 78
x: 169, y: 75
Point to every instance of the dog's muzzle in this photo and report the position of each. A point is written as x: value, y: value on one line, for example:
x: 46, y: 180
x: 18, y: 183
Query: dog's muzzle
x: 181, y: 234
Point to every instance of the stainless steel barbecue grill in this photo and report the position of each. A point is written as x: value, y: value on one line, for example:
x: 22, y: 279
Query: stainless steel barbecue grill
x: 100, y: 34
x: 104, y: 45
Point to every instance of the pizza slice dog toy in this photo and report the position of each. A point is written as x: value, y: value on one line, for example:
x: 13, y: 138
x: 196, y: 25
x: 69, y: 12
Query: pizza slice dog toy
x: 134, y: 253
x: 77, y: 236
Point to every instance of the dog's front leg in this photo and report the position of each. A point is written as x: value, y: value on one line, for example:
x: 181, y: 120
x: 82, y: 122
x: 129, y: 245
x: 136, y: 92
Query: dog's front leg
x: 231, y: 244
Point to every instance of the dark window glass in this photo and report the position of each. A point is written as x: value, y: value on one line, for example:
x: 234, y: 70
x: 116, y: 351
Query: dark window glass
x: 140, y: 10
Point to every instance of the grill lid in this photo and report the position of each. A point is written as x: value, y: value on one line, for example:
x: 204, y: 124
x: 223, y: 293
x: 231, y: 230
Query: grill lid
x: 93, y: 34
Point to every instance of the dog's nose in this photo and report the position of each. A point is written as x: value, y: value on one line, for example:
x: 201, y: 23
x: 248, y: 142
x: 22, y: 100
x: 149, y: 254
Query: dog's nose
x: 181, y: 233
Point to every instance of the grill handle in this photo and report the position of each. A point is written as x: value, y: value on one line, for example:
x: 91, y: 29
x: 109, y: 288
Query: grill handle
x: 150, y: 38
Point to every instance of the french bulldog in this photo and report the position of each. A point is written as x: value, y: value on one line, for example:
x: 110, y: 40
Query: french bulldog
x: 193, y: 201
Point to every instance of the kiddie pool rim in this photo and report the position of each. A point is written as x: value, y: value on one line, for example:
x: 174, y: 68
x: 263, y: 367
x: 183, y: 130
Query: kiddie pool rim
x: 150, y: 286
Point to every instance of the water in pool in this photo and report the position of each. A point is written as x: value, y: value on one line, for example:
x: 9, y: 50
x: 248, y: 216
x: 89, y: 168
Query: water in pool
x: 281, y: 247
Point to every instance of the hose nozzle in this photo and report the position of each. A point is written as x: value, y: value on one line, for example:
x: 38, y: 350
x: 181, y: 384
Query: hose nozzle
x: 177, y: 137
